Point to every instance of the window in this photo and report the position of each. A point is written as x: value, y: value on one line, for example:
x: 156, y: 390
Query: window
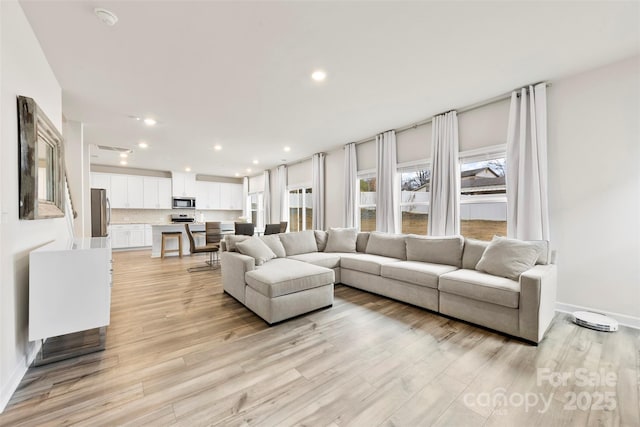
x: 255, y: 201
x: 414, y: 198
x: 483, y: 197
x: 300, y: 209
x: 367, y: 201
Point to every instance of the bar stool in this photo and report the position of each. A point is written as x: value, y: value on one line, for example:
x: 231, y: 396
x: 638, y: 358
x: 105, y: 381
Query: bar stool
x: 167, y: 235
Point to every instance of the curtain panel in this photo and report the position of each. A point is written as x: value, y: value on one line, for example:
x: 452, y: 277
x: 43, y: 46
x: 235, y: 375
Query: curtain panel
x: 444, y: 209
x: 527, y: 190
x: 284, y: 194
x: 246, y: 209
x: 317, y: 195
x: 387, y: 188
x: 266, y: 198
x: 351, y: 191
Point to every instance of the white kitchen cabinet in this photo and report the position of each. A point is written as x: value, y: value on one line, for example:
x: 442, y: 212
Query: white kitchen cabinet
x: 127, y: 191
x: 148, y: 235
x: 69, y: 287
x: 101, y: 180
x: 157, y: 193
x: 183, y: 184
x: 230, y: 196
x: 207, y: 195
x: 236, y: 196
x: 127, y: 236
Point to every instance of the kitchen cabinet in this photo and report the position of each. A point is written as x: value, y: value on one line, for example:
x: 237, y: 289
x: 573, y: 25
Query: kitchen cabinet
x: 127, y: 235
x: 207, y: 195
x: 69, y: 287
x: 101, y: 180
x: 127, y: 191
x: 183, y: 184
x: 148, y: 236
x: 157, y: 193
x: 230, y: 196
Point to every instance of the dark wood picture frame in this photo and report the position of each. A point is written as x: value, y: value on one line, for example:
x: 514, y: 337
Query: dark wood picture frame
x: 35, y: 129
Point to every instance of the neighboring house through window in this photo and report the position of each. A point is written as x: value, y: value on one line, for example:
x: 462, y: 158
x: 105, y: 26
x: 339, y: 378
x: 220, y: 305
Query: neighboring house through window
x: 300, y: 209
x: 367, y: 200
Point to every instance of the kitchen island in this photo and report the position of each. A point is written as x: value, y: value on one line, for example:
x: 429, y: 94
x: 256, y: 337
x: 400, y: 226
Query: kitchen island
x: 158, y: 229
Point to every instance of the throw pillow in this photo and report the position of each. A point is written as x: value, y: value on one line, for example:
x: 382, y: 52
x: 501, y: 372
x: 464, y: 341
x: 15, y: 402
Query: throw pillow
x: 321, y: 239
x: 300, y: 242
x: 508, y: 257
x: 341, y: 240
x: 387, y: 244
x: 436, y: 250
x: 361, y: 243
x: 257, y: 249
x: 473, y: 250
x: 232, y: 239
x: 274, y: 243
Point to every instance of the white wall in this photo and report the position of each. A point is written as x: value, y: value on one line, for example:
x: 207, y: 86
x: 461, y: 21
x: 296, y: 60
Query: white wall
x: 594, y: 186
x: 24, y: 71
x: 77, y: 164
x: 299, y: 174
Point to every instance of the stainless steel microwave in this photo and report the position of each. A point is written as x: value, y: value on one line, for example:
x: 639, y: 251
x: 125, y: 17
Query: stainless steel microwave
x: 184, y: 203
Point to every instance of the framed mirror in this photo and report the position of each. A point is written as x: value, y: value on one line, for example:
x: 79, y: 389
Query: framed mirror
x: 41, y: 163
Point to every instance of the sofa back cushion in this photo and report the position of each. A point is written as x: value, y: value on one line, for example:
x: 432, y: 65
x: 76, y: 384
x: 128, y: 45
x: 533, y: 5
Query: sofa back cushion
x: 299, y: 242
x: 321, y: 239
x: 361, y: 241
x: 341, y: 240
x: 231, y: 240
x: 435, y: 250
x: 508, y: 257
x: 274, y: 243
x: 387, y: 244
x: 473, y: 250
x: 257, y: 249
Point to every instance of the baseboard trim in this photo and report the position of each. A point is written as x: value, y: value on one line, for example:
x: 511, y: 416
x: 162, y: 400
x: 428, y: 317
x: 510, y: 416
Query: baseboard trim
x: 17, y: 375
x: 623, y: 319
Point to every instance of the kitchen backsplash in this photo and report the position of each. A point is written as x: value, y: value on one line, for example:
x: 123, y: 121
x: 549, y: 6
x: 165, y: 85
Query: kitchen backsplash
x: 163, y: 216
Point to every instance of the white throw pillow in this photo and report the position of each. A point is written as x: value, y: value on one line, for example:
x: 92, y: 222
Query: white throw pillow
x: 257, y: 249
x: 274, y: 243
x: 508, y: 257
x: 341, y: 240
x: 299, y: 242
x: 232, y: 239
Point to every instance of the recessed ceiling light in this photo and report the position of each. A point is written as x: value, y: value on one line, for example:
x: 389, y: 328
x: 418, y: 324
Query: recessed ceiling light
x: 187, y: 169
x: 123, y: 162
x: 107, y: 17
x: 217, y: 147
x: 319, y: 75
x: 287, y: 149
x: 255, y: 162
x: 149, y: 121
x: 249, y: 170
x: 237, y: 174
x: 143, y: 145
x: 124, y: 155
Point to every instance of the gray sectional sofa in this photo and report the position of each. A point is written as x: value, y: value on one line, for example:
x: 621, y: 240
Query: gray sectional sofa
x: 505, y: 285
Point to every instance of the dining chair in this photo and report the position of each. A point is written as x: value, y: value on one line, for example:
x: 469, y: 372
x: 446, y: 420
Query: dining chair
x: 209, y: 248
x: 245, y: 228
x: 283, y: 226
x: 271, y: 229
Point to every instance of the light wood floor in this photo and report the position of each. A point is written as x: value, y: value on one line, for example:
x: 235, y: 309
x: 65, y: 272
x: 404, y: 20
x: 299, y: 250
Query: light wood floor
x: 180, y: 352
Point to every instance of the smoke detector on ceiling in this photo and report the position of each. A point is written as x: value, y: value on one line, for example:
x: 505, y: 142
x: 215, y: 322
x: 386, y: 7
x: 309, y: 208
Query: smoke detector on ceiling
x: 107, y: 17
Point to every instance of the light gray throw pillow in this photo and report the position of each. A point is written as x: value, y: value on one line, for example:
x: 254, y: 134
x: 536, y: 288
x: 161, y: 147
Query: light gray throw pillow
x: 299, y: 242
x: 232, y: 239
x: 437, y: 250
x: 361, y: 242
x: 274, y: 243
x: 257, y: 249
x: 473, y: 250
x: 387, y: 244
x: 508, y: 257
x: 321, y: 239
x: 341, y: 240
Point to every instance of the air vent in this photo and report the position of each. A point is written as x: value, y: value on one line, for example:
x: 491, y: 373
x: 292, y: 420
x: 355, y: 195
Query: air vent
x: 116, y: 149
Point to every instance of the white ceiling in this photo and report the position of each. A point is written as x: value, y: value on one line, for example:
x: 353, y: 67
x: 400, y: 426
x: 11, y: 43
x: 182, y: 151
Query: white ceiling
x: 238, y: 73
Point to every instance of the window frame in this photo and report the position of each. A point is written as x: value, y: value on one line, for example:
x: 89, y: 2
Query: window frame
x: 259, y: 210
x: 304, y: 188
x: 366, y: 174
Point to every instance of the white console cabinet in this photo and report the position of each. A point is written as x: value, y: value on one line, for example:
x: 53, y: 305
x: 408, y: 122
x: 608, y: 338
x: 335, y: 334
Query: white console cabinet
x: 69, y: 287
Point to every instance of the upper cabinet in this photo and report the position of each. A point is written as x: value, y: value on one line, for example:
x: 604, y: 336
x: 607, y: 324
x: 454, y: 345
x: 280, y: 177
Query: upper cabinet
x: 218, y: 196
x: 101, y: 180
x: 157, y: 193
x: 127, y: 191
x: 183, y: 184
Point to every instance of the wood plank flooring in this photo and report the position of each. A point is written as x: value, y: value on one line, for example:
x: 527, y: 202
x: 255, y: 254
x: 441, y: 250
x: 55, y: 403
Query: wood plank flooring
x: 181, y: 352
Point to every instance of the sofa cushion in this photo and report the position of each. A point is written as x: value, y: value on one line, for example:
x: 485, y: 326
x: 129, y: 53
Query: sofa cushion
x: 232, y: 239
x: 366, y: 263
x: 436, y: 250
x: 481, y: 287
x: 257, y: 249
x: 284, y: 276
x: 361, y: 241
x: 321, y: 239
x: 341, y: 240
x: 473, y: 250
x: 543, y: 246
x: 299, y: 242
x: 387, y: 244
x: 274, y: 243
x: 418, y: 273
x: 323, y: 259
x: 508, y: 257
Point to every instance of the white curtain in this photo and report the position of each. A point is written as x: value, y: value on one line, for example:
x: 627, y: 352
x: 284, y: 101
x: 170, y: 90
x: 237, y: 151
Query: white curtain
x: 351, y: 190
x: 387, y: 189
x: 266, y: 199
x: 527, y: 198
x: 444, y: 209
x: 246, y: 208
x: 317, y: 183
x: 284, y: 194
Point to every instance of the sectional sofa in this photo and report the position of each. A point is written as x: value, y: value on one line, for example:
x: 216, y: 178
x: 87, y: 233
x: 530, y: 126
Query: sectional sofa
x: 506, y: 285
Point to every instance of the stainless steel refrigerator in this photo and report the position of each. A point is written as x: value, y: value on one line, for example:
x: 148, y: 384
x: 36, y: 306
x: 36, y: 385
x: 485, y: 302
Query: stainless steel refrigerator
x: 100, y: 213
